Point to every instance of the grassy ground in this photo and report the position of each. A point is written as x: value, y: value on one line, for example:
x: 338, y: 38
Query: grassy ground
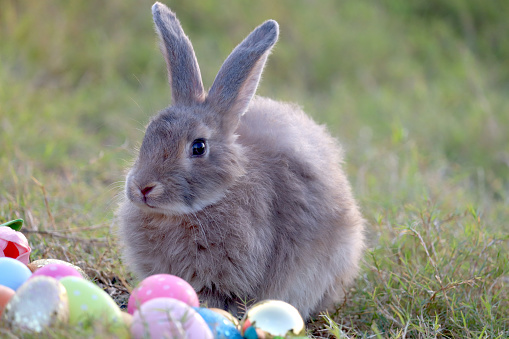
x: 417, y: 92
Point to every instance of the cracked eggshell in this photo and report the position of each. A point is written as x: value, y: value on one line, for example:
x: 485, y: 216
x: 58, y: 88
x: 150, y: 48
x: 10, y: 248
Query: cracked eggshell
x: 273, y: 318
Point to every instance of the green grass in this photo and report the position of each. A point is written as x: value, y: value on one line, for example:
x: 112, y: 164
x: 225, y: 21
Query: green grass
x: 417, y: 92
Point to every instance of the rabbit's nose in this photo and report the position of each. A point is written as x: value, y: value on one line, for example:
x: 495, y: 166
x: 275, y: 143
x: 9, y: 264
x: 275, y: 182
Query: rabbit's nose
x: 146, y: 190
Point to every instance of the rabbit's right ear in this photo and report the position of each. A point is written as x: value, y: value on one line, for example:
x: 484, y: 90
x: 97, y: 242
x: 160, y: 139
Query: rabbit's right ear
x: 238, y: 78
x: 183, y: 70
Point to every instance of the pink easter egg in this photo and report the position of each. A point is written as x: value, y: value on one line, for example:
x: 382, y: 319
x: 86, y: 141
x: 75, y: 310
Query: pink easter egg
x: 162, y: 286
x: 168, y: 318
x: 57, y: 271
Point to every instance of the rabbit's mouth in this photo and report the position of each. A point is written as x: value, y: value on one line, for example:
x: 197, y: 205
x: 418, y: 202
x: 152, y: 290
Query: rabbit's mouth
x: 172, y: 209
x: 175, y: 208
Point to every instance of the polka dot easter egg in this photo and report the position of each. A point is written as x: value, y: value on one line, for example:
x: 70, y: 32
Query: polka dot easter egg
x: 162, y: 286
x: 57, y: 271
x: 89, y: 303
x: 168, y: 318
x: 38, y: 264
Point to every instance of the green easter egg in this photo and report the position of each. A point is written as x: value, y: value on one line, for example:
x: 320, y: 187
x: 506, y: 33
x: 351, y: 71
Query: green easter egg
x: 89, y: 303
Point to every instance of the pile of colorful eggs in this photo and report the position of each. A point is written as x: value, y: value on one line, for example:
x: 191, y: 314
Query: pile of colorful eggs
x: 36, y: 297
x: 160, y: 306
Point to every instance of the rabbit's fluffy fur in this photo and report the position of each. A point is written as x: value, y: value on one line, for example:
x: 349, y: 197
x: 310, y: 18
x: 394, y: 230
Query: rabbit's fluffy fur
x: 265, y: 212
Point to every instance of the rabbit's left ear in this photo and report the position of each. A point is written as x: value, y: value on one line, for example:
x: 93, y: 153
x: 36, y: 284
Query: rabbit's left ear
x: 183, y: 70
x: 238, y: 78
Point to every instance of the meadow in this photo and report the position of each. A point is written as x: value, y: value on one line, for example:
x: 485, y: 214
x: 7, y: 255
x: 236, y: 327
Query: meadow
x: 417, y: 92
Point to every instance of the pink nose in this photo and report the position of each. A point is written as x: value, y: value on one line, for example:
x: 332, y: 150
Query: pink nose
x: 146, y: 190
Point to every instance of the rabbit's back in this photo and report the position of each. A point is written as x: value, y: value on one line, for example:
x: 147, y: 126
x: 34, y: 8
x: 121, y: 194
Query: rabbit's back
x: 285, y: 128
x: 315, y: 222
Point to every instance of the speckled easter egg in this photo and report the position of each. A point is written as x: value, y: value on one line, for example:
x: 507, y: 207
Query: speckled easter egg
x: 227, y: 315
x: 6, y: 294
x: 39, y: 303
x: 272, y: 318
x: 13, y: 273
x: 220, y: 326
x: 38, y: 264
x: 89, y: 303
x: 57, y: 271
x: 162, y: 286
x: 168, y: 318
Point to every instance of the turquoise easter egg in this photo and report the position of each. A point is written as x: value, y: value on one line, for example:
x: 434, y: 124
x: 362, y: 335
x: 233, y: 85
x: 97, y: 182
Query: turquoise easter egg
x: 221, y: 327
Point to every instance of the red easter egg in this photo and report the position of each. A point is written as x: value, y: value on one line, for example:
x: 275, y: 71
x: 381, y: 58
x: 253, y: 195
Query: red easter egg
x: 6, y: 294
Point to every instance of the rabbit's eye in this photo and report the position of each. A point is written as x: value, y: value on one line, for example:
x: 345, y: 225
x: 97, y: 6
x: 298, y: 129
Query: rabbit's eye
x: 199, y: 147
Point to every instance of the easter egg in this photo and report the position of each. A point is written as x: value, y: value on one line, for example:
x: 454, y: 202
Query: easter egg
x: 127, y: 318
x: 168, y: 318
x: 6, y: 294
x: 220, y: 326
x: 272, y: 318
x: 227, y: 315
x: 57, y: 271
x: 162, y: 286
x: 38, y: 264
x: 38, y: 304
x: 13, y: 273
x: 89, y: 303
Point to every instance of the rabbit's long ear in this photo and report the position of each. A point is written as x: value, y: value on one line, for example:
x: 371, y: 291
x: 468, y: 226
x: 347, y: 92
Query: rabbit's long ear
x: 238, y: 78
x: 183, y: 70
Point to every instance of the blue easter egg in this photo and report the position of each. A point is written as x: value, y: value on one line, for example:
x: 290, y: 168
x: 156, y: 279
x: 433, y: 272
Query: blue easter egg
x: 13, y: 273
x: 221, y: 327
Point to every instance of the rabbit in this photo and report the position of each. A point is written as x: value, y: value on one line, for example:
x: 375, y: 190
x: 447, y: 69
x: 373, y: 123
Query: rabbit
x: 242, y: 196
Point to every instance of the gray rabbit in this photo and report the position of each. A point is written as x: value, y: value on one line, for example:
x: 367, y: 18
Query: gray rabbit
x: 242, y: 196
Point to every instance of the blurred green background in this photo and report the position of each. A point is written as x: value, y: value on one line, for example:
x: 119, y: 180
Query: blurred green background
x: 416, y: 91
